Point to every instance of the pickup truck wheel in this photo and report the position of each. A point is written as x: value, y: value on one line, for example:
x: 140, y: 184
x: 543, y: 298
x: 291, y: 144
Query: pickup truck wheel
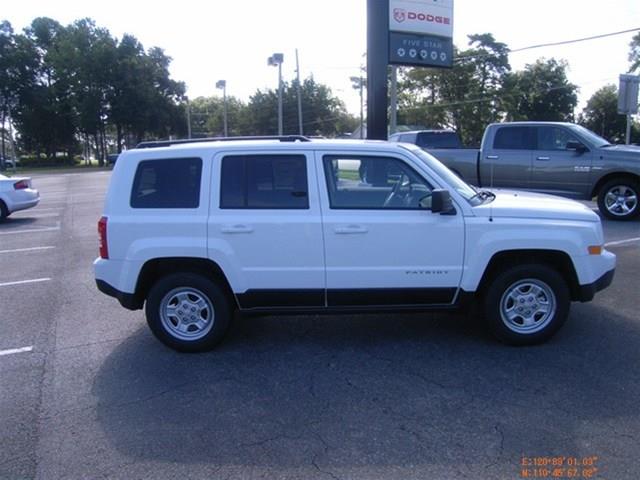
x: 527, y: 304
x: 187, y: 312
x: 618, y: 199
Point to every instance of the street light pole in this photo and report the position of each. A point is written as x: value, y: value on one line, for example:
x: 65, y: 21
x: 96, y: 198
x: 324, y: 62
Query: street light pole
x: 276, y: 60
x: 222, y: 84
x: 188, y: 118
x: 358, y: 84
x: 299, y: 95
x: 280, y: 98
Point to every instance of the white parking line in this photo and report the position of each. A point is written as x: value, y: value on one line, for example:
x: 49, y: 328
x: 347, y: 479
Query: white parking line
x: 38, y: 209
x: 32, y: 230
x: 11, y: 351
x: 24, y: 282
x: 31, y: 249
x: 622, y: 242
x: 35, y: 214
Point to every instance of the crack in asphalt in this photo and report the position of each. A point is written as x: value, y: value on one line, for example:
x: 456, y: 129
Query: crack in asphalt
x: 326, y: 472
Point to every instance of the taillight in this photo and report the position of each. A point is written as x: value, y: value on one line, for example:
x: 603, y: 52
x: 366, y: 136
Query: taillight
x: 21, y: 185
x: 102, y: 234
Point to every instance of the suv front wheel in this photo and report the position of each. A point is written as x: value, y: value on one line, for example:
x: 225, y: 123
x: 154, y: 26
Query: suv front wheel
x: 526, y: 304
x: 187, y: 312
x: 618, y: 199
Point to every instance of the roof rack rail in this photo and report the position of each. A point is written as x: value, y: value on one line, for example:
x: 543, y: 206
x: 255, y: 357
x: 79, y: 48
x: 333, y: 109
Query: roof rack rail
x: 167, y: 143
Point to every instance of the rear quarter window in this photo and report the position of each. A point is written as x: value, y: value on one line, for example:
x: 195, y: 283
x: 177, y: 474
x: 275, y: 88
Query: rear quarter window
x: 167, y: 183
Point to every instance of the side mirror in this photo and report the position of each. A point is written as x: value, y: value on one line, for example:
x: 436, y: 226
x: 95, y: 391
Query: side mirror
x: 425, y: 202
x: 577, y: 146
x: 441, y: 202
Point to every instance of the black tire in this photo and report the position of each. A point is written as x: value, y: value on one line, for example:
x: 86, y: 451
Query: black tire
x: 507, y: 318
x: 4, y: 211
x: 625, y: 187
x: 203, y: 312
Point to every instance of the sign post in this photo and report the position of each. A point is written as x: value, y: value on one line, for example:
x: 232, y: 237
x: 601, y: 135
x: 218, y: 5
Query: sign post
x: 628, y: 99
x: 377, y: 61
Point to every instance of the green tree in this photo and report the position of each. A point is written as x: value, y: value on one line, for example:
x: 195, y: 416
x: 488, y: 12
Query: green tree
x: 85, y: 54
x: 45, y: 114
x: 17, y: 74
x: 322, y: 112
x: 145, y: 101
x: 207, y: 117
x: 541, y: 92
x: 466, y: 97
x: 601, y: 116
x: 634, y: 54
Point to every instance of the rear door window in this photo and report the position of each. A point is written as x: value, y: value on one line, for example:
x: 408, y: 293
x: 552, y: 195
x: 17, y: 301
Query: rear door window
x: 514, y: 138
x: 264, y: 182
x: 167, y: 183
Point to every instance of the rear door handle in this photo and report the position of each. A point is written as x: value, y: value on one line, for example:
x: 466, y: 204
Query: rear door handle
x: 350, y: 229
x: 236, y: 229
x: 492, y: 157
x: 543, y: 158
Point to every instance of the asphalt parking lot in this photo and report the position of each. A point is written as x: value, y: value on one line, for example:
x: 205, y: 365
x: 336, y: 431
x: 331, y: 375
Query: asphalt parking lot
x: 86, y: 392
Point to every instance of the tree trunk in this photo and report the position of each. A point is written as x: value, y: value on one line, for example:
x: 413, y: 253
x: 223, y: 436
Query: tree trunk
x: 119, y: 138
x: 96, y: 146
x: 103, y: 135
x: 2, y: 132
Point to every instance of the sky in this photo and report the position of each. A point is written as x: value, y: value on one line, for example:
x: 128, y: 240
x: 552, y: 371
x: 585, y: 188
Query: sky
x: 232, y: 40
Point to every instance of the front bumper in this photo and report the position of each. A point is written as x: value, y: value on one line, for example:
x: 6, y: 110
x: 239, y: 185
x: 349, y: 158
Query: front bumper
x: 587, y: 292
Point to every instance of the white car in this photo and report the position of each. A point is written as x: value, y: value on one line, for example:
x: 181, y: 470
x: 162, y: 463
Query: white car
x: 16, y: 193
x: 195, y: 231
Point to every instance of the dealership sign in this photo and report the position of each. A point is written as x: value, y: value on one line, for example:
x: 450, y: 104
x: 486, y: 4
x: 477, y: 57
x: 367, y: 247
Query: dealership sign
x: 420, y: 32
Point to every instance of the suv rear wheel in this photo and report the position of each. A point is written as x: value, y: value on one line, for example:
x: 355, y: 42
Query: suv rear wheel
x: 187, y: 312
x: 526, y: 304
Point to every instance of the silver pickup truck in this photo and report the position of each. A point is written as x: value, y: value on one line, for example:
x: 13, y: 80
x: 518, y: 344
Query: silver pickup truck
x: 557, y: 158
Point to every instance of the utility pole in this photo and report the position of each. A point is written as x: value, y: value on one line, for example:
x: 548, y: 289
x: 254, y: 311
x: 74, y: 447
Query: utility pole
x: 394, y: 99
x: 299, y: 96
x: 188, y: 118
x: 222, y: 84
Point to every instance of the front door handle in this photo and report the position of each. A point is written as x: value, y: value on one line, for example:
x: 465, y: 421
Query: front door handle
x: 543, y: 159
x: 236, y: 229
x: 492, y: 157
x: 350, y: 229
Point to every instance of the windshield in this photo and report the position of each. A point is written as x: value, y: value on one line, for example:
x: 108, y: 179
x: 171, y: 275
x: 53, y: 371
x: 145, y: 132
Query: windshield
x: 591, y: 137
x: 455, y: 182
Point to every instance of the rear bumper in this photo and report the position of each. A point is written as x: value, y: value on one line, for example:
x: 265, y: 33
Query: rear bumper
x: 24, y: 199
x: 587, y: 292
x: 128, y: 300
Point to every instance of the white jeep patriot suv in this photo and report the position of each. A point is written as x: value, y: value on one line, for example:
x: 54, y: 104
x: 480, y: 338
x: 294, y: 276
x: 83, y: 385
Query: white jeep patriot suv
x: 195, y: 230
